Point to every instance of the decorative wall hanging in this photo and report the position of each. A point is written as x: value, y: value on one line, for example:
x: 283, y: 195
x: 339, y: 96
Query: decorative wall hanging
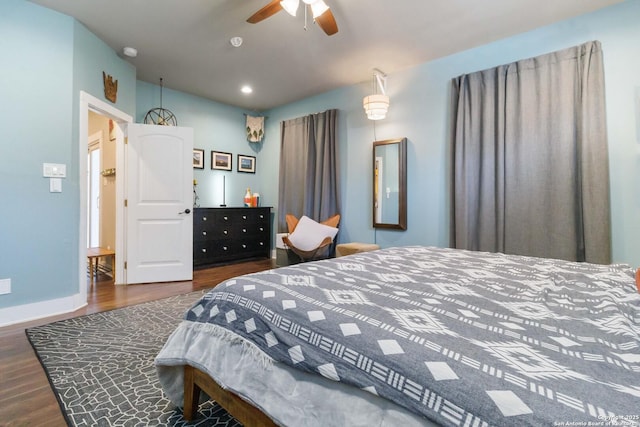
x: 160, y: 116
x: 255, y: 128
x: 110, y: 87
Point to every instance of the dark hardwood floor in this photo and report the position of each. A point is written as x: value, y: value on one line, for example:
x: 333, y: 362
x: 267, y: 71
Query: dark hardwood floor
x: 26, y: 399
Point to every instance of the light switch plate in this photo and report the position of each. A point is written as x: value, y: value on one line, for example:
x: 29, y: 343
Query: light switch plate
x: 54, y: 170
x: 55, y: 185
x: 5, y: 286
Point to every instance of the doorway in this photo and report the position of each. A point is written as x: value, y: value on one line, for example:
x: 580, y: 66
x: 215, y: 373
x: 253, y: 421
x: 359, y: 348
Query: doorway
x: 93, y: 188
x: 90, y: 104
x: 101, y: 176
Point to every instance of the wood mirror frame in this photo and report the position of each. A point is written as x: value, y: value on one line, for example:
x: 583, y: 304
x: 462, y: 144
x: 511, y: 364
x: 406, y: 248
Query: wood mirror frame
x: 390, y: 174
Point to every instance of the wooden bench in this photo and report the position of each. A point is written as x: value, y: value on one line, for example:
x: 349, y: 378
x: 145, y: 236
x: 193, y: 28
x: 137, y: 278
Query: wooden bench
x: 93, y: 255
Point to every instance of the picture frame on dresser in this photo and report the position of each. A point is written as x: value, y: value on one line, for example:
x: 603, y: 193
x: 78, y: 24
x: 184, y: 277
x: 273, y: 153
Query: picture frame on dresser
x: 221, y: 160
x: 198, y: 158
x: 246, y: 164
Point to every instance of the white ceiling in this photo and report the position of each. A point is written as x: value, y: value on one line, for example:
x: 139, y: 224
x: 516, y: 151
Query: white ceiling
x: 186, y: 42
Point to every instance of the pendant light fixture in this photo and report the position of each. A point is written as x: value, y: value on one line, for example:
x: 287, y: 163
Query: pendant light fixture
x: 160, y: 116
x: 376, y: 105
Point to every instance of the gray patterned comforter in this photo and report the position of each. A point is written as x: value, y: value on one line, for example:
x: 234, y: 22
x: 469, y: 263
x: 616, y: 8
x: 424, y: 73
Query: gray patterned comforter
x: 462, y: 338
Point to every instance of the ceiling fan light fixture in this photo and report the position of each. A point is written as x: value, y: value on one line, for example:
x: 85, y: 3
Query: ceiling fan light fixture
x: 290, y: 6
x: 321, y: 13
x: 318, y: 8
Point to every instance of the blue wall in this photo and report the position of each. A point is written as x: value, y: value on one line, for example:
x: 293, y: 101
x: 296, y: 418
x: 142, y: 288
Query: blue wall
x: 49, y: 57
x: 36, y: 107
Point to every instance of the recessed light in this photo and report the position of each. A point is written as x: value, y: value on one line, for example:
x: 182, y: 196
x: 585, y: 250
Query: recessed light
x: 246, y: 89
x: 130, y: 52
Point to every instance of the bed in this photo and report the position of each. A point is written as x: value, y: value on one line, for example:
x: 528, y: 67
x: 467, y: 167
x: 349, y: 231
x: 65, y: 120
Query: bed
x: 414, y: 336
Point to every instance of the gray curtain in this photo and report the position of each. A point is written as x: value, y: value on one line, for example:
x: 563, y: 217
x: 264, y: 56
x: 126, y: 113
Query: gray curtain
x: 530, y: 162
x: 308, y: 168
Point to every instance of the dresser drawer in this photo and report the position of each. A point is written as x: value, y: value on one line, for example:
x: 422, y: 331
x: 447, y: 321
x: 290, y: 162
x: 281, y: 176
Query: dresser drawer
x: 252, y: 216
x: 250, y: 229
x: 217, y: 250
x: 202, y: 252
x: 222, y: 218
x: 213, y: 233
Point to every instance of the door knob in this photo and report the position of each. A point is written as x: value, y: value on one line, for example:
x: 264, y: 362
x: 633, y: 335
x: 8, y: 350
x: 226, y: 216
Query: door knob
x: 186, y: 211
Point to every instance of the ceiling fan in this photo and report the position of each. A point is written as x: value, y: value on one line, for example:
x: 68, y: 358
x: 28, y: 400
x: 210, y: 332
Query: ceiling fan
x: 320, y: 11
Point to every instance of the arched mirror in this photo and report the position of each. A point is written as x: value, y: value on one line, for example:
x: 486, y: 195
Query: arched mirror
x: 390, y: 184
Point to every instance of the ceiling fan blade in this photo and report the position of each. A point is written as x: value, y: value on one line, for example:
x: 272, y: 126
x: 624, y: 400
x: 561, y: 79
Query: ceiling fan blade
x: 327, y: 22
x: 270, y: 9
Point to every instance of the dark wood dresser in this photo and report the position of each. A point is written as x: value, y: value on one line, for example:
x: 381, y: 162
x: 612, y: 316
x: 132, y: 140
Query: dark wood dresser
x: 222, y: 235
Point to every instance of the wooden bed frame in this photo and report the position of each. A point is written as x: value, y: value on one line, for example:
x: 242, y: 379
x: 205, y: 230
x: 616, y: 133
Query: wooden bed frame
x: 195, y: 380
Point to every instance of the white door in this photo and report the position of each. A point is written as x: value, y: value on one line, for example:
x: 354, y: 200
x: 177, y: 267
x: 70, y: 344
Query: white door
x: 159, y: 188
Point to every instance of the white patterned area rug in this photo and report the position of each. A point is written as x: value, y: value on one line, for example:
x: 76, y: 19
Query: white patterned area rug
x: 101, y: 366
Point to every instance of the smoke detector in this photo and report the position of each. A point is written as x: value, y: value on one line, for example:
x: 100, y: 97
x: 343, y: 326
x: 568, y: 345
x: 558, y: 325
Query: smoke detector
x: 236, y: 41
x: 130, y: 52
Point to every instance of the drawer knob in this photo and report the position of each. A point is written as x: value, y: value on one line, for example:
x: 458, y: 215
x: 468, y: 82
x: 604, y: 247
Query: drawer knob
x: 261, y: 216
x: 204, y: 250
x: 244, y: 230
x: 261, y: 243
x: 261, y: 228
x: 225, y: 248
x: 226, y: 218
x: 204, y: 233
x: 204, y: 218
x: 225, y: 232
x: 244, y: 217
x: 244, y: 246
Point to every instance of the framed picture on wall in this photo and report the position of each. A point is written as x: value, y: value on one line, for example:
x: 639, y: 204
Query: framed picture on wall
x: 198, y: 158
x: 246, y: 163
x: 221, y: 160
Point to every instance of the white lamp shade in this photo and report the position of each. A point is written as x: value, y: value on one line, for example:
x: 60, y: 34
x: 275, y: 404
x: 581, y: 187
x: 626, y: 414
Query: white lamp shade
x: 376, y: 106
x: 290, y: 6
x: 318, y: 8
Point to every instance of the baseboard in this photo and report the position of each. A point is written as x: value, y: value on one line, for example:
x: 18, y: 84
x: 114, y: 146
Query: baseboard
x: 40, y: 309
